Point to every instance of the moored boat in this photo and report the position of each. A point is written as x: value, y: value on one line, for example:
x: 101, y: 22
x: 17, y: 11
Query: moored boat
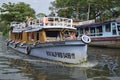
x: 51, y: 38
x: 103, y: 34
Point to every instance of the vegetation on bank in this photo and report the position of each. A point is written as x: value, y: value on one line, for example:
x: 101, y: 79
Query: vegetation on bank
x: 4, y: 28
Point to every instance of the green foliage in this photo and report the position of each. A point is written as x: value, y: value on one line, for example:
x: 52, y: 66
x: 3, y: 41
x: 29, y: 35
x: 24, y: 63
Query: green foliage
x: 16, y: 12
x: 6, y: 31
x: 40, y: 15
x: 4, y: 27
x: 79, y: 9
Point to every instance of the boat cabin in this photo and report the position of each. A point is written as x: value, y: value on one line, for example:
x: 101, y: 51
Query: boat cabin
x: 46, y: 29
x: 100, y: 29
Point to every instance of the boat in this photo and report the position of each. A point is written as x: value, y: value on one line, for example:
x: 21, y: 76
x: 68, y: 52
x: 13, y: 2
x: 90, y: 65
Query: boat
x: 102, y: 34
x: 51, y: 38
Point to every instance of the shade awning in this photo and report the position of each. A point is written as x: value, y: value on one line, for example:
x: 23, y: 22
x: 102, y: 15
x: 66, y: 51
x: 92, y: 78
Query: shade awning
x: 33, y: 30
x: 16, y: 31
x: 93, y: 25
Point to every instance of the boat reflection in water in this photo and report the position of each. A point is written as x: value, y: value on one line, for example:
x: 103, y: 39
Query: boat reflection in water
x: 50, y: 71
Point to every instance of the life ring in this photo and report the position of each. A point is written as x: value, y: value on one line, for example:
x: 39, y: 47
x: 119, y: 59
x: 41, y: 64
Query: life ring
x: 86, y: 39
x: 27, y: 50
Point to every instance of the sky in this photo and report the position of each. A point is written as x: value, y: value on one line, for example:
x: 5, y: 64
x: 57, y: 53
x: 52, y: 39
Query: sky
x: 40, y: 6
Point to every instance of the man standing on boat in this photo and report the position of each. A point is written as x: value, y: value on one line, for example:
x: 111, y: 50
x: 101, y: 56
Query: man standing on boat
x: 45, y: 20
x: 28, y: 20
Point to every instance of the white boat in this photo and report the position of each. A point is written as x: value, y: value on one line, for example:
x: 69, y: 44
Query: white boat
x: 48, y: 38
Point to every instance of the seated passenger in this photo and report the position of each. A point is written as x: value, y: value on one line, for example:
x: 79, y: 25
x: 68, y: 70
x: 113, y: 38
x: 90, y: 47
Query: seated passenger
x: 71, y: 36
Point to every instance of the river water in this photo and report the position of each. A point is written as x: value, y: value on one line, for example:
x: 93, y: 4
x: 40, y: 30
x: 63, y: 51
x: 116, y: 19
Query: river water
x: 103, y: 64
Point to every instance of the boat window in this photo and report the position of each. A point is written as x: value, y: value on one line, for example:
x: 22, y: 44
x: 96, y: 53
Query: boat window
x: 114, y: 29
x: 118, y: 26
x: 81, y: 30
x: 52, y: 35
x: 114, y: 32
x: 86, y: 29
x: 37, y: 35
x: 92, y: 31
x: 66, y: 34
x: 30, y: 36
x: 108, y: 28
x: 99, y: 31
x: 18, y: 36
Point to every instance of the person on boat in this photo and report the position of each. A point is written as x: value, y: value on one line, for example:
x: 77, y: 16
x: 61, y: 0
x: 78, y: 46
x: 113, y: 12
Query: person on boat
x: 45, y: 20
x: 23, y: 24
x: 86, y: 33
x: 71, y: 36
x: 28, y: 20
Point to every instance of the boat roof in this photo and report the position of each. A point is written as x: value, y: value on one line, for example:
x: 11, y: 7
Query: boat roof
x: 39, y: 24
x: 97, y: 24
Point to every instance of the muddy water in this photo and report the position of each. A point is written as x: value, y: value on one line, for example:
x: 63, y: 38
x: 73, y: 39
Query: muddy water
x: 103, y: 64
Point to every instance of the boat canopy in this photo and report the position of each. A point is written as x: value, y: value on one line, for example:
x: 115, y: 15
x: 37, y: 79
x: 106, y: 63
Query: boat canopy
x: 17, y: 30
x: 33, y: 30
x: 95, y: 24
x: 43, y: 23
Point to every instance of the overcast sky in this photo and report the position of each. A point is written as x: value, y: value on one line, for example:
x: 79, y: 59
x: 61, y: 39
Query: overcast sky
x: 40, y: 6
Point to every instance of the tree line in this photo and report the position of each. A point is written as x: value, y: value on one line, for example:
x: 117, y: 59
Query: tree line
x: 99, y: 10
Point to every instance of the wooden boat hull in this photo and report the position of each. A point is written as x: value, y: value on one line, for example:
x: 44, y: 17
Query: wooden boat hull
x: 73, y: 51
x: 111, y: 42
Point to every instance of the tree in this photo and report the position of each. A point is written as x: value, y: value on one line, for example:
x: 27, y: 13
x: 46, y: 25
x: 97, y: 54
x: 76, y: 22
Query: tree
x: 16, y: 12
x: 41, y: 15
x: 99, y: 10
x: 68, y: 8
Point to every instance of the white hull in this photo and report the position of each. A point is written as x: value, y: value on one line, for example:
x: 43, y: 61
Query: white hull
x: 64, y: 51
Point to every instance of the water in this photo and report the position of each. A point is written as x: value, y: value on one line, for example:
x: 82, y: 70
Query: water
x: 103, y: 64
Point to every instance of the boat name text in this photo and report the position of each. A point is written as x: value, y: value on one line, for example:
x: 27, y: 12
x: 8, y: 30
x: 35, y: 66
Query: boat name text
x: 61, y: 54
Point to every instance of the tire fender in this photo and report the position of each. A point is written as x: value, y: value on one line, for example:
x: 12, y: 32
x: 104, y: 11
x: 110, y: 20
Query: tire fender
x: 27, y: 50
x: 86, y: 39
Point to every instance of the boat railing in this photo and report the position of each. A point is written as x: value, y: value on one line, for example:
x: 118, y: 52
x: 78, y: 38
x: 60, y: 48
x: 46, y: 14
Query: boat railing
x: 51, y: 21
x: 17, y: 25
x: 44, y: 22
x: 93, y: 34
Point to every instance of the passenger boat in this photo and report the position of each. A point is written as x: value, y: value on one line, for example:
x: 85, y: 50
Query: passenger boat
x: 103, y: 34
x: 51, y: 38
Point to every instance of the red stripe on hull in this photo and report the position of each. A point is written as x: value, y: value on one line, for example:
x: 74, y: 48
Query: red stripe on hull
x: 106, y: 39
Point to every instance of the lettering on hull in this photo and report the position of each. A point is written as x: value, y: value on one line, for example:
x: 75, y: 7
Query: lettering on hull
x: 61, y: 55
